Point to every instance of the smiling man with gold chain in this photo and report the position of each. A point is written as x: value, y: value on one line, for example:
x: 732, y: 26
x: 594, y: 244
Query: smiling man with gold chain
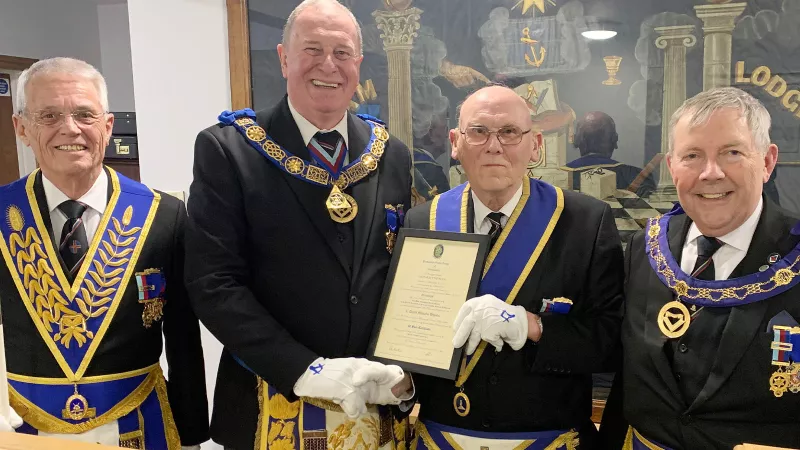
x: 293, y: 215
x: 711, y: 337
x: 90, y: 275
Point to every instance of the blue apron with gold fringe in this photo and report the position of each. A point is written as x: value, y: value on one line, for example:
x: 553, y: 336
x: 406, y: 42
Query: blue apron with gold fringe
x: 72, y: 319
x: 507, y: 267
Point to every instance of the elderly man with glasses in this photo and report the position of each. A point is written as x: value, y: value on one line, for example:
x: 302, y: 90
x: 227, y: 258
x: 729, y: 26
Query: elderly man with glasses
x: 91, y: 274
x: 550, y: 299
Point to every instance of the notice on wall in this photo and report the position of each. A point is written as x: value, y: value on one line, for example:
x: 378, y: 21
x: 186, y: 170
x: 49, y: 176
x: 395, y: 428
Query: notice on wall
x: 5, y: 87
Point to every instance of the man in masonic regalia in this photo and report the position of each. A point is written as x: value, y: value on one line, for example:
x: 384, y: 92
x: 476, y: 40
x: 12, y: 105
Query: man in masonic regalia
x: 550, y: 299
x: 91, y: 274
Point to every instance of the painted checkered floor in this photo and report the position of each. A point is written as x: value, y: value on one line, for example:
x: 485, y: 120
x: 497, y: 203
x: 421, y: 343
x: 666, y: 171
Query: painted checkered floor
x: 631, y: 212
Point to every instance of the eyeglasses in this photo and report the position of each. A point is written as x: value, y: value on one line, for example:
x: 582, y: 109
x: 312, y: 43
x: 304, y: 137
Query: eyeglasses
x: 53, y: 118
x: 506, y: 135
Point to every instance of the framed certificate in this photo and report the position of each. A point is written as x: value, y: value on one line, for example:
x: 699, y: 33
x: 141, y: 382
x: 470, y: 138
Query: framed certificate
x: 431, y: 275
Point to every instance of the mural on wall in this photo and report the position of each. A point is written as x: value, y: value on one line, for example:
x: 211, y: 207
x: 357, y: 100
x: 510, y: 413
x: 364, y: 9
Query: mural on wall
x: 602, y: 105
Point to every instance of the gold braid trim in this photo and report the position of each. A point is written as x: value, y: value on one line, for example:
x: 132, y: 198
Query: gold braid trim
x: 170, y: 429
x: 43, y: 421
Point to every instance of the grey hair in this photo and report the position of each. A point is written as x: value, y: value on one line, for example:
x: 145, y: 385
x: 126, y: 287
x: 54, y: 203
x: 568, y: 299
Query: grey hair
x: 287, y: 29
x: 700, y: 108
x: 69, y: 66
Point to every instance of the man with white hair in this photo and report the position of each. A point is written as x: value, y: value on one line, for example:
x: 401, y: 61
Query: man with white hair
x: 91, y: 275
x: 710, y: 336
x: 293, y: 215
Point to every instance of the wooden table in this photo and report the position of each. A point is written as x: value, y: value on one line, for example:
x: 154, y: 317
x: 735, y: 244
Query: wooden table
x: 14, y: 441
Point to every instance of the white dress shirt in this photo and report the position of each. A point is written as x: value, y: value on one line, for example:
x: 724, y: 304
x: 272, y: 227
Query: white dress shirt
x: 732, y: 252
x: 96, y: 198
x: 308, y: 129
x: 482, y: 222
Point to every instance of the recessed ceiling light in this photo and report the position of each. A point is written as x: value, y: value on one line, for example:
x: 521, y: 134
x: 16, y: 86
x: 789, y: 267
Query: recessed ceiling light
x: 599, y: 35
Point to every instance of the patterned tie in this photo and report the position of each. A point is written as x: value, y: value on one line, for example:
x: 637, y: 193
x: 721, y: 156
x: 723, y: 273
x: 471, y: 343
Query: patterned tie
x: 495, y: 219
x: 329, y: 141
x: 704, y: 267
x: 328, y: 149
x: 73, y: 244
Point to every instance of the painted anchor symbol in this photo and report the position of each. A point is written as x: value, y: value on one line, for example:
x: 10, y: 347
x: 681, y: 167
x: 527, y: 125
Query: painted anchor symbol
x: 316, y: 369
x: 526, y: 39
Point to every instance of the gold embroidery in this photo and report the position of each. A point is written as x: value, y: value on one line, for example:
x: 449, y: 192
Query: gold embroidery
x: 781, y: 278
x: 256, y: 133
x: 153, y: 311
x: 294, y: 165
x: 369, y: 161
x: 362, y: 434
x: 170, y: 428
x: 245, y: 121
x: 41, y: 420
x: 282, y: 428
x: 318, y: 175
x: 273, y: 150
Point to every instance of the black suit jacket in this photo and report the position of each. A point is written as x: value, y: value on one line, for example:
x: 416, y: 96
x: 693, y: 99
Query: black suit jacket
x: 128, y: 345
x: 546, y: 386
x: 735, y: 404
x: 267, y: 267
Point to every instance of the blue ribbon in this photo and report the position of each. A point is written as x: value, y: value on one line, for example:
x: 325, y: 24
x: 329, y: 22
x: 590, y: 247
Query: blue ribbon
x: 228, y: 117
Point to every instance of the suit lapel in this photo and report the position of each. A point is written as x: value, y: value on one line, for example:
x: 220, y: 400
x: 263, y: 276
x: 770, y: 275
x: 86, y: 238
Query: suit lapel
x: 771, y: 236
x: 365, y: 192
x: 658, y: 296
x: 283, y: 130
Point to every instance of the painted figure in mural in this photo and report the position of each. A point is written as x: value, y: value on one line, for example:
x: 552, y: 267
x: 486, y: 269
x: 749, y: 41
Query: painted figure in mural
x: 596, y: 137
x: 711, y: 318
x: 91, y: 275
x: 550, y: 306
x: 293, y: 218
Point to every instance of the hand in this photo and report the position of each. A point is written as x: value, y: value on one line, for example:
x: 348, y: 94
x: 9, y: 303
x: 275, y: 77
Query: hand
x: 490, y: 319
x: 190, y: 447
x: 461, y: 76
x: 335, y: 380
x: 378, y: 383
x: 11, y: 422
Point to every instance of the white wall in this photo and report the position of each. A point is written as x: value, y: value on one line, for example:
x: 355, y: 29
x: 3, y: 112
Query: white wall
x: 180, y: 75
x: 46, y: 28
x: 115, y: 51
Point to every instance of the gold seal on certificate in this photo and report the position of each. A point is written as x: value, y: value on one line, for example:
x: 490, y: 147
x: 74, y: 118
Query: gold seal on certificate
x: 431, y: 275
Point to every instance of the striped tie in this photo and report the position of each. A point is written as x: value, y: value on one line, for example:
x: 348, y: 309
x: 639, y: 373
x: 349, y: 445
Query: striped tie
x: 704, y: 266
x: 73, y: 243
x: 495, y: 220
x: 329, y: 150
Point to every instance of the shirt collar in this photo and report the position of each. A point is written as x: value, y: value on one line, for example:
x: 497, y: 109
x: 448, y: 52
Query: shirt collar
x: 96, y: 197
x: 481, y: 210
x: 308, y: 129
x: 739, y: 238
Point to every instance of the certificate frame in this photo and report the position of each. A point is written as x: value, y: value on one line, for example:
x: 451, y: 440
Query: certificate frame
x: 477, y: 270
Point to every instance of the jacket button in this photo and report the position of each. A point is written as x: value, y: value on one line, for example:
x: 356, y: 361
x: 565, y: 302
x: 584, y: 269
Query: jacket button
x: 683, y: 348
x: 686, y: 419
x: 493, y: 379
x: 341, y: 237
x: 486, y: 423
x: 354, y: 299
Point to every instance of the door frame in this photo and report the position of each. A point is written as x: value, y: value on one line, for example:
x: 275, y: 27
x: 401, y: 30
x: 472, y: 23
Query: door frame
x: 17, y: 63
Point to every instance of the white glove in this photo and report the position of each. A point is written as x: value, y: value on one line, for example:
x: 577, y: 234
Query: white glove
x: 490, y: 319
x: 336, y: 380
x: 376, y: 381
x: 11, y: 422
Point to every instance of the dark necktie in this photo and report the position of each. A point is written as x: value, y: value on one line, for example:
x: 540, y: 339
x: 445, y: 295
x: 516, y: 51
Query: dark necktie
x: 73, y: 243
x: 495, y: 219
x: 704, y: 267
x: 329, y: 141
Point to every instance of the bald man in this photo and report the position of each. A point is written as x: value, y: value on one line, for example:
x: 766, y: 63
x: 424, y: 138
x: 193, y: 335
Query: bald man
x: 549, y: 305
x: 596, y: 138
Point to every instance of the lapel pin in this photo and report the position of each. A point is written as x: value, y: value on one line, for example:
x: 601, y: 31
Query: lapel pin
x: 763, y: 268
x: 773, y: 258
